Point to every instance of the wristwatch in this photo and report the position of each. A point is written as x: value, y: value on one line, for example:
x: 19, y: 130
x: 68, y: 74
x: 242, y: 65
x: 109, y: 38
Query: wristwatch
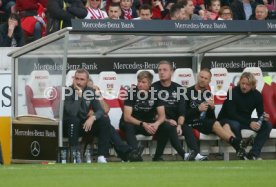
x: 141, y: 124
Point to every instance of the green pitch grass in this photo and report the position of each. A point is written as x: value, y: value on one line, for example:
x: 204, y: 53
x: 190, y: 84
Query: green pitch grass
x: 151, y: 174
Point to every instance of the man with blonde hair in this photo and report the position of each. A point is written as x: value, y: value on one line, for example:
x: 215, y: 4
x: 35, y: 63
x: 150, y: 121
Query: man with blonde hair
x: 144, y: 113
x: 241, y: 101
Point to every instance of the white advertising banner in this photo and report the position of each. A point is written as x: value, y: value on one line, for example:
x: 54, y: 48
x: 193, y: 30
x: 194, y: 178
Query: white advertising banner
x: 5, y: 94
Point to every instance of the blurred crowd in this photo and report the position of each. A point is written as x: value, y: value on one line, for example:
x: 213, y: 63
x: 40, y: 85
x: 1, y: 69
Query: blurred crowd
x: 38, y: 18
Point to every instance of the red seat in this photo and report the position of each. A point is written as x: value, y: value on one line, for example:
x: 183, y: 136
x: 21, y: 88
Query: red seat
x: 269, y: 99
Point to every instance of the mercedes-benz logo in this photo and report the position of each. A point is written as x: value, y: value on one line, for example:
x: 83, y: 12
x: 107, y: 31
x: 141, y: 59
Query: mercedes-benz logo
x: 35, y: 148
x: 193, y: 104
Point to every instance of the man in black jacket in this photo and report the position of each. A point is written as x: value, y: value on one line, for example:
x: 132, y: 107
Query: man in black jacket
x: 243, y: 9
x: 60, y: 13
x: 83, y: 114
x: 11, y: 33
x: 174, y: 103
x: 201, y: 116
x: 237, y: 110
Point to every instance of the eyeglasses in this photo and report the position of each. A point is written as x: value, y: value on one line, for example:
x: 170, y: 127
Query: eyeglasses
x: 226, y: 13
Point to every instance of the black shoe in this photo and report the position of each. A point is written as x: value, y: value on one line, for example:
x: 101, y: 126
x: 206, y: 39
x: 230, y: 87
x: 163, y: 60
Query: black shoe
x: 251, y: 156
x: 242, y: 154
x: 135, y: 154
x: 140, y: 150
x: 158, y: 159
x: 249, y: 141
x: 237, y: 143
x: 191, y: 156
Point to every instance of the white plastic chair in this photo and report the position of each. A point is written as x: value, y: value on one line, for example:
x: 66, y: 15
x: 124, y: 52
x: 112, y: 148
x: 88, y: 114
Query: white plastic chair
x: 184, y: 77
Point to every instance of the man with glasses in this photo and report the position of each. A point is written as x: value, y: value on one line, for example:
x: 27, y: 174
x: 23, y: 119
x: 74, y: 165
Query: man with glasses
x: 225, y: 13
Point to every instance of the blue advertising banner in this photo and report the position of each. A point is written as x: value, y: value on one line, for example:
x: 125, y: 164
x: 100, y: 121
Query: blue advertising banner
x: 167, y: 26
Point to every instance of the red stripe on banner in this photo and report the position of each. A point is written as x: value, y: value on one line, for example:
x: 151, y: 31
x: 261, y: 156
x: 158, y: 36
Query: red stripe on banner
x: 113, y: 103
x: 219, y: 99
x: 41, y: 102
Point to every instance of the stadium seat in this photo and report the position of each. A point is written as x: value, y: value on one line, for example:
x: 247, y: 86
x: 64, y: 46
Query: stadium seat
x: 110, y: 88
x: 219, y: 86
x: 41, y: 96
x: 70, y: 77
x: 184, y: 77
x: 109, y: 85
x: 220, y: 82
x: 269, y: 99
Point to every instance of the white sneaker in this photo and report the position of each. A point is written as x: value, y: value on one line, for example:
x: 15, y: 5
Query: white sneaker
x: 200, y: 157
x: 186, y: 155
x: 190, y: 156
x: 102, y: 159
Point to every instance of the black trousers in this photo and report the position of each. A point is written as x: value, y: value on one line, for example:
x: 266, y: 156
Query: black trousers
x: 164, y: 133
x: 260, y: 139
x: 190, y: 139
x: 121, y: 148
x: 101, y: 128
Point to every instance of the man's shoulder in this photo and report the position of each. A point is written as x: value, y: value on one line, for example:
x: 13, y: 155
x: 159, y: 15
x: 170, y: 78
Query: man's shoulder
x: 156, y: 84
x: 191, y: 88
x: 235, y: 89
x: 257, y: 92
x: 174, y: 84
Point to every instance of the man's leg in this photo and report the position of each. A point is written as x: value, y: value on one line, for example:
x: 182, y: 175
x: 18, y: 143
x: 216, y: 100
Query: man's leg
x: 237, y: 143
x: 190, y: 138
x: 235, y: 128
x: 260, y: 139
x: 37, y: 30
x: 120, y: 146
x: 101, y: 129
x: 72, y: 129
x: 227, y: 129
x: 164, y: 133
x: 130, y: 132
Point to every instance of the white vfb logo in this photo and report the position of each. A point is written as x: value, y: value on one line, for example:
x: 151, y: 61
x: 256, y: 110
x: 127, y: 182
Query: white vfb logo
x: 35, y: 148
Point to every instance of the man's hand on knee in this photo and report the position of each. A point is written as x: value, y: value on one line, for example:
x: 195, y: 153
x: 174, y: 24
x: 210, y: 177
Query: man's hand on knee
x: 88, y: 123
